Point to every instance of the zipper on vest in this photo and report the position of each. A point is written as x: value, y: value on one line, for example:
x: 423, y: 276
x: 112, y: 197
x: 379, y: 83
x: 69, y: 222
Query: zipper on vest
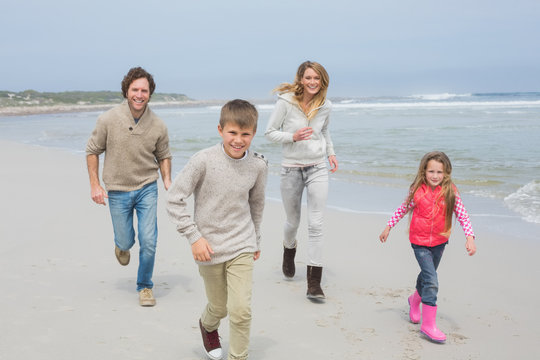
x: 432, y: 220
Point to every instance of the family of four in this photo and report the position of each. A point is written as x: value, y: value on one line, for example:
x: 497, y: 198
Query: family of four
x: 228, y: 183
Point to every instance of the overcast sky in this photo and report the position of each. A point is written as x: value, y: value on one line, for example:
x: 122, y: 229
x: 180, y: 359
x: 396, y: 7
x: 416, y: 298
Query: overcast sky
x: 244, y: 48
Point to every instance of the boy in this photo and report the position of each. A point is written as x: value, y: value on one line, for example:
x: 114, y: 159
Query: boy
x: 228, y: 182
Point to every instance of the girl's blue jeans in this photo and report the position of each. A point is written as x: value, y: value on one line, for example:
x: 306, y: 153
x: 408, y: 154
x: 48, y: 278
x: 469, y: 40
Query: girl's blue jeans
x: 122, y: 205
x: 427, y: 283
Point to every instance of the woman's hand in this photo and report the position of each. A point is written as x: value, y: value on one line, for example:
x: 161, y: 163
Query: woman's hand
x: 333, y: 163
x: 302, y: 134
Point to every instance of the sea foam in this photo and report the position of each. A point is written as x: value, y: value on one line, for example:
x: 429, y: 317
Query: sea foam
x: 526, y: 201
x: 444, y: 96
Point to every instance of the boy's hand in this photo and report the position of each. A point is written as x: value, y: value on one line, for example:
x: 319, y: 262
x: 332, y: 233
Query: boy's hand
x: 384, y: 234
x: 201, y: 250
x: 470, y: 245
x: 256, y: 255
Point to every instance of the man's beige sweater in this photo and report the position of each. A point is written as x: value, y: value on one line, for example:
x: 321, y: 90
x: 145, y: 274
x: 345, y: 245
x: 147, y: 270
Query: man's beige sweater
x: 132, y: 150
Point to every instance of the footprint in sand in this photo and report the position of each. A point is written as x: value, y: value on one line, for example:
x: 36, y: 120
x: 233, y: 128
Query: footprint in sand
x: 458, y: 338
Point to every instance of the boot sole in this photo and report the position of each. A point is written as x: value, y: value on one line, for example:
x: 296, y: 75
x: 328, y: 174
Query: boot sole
x: 319, y: 299
x: 148, y: 304
x: 212, y: 357
x: 432, y: 339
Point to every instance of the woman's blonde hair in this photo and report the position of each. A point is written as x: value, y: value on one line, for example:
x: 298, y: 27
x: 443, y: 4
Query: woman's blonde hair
x: 298, y: 89
x: 448, y: 188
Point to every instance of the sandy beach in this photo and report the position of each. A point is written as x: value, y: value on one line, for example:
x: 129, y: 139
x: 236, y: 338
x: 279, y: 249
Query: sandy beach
x: 66, y: 297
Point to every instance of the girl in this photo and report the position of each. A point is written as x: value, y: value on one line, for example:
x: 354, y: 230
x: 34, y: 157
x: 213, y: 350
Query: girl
x: 433, y: 198
x: 300, y: 123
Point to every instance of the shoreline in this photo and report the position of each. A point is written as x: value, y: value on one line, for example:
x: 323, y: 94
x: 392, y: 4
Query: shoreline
x: 60, y: 270
x: 68, y: 108
x: 364, y: 197
x: 72, y: 108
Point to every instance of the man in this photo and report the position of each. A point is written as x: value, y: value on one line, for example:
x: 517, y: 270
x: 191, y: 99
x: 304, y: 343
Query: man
x: 136, y: 144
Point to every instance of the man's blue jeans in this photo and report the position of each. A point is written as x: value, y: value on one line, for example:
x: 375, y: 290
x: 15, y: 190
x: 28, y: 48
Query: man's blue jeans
x: 122, y: 205
x: 427, y: 283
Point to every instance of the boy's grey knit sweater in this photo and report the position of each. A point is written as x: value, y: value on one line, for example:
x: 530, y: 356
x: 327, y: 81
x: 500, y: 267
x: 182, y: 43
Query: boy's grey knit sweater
x: 229, y: 202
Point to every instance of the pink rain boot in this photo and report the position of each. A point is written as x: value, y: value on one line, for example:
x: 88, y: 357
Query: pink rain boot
x: 414, y: 307
x: 429, y: 326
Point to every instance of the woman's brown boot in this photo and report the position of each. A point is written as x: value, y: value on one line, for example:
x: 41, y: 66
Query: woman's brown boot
x: 314, y: 291
x: 288, y: 262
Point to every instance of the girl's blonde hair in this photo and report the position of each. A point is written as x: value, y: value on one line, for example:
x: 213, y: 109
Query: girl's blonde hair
x: 448, y: 189
x: 298, y: 89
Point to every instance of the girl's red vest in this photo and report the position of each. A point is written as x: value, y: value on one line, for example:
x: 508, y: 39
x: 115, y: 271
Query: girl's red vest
x: 427, y: 222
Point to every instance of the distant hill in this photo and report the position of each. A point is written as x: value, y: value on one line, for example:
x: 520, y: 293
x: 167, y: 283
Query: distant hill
x: 29, y: 98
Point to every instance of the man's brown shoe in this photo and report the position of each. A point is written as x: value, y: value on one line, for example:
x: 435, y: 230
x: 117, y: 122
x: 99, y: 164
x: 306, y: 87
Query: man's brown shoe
x: 146, y: 297
x: 122, y: 256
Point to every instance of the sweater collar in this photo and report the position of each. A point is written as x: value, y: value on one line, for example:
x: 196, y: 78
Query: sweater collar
x: 144, y: 122
x: 227, y: 155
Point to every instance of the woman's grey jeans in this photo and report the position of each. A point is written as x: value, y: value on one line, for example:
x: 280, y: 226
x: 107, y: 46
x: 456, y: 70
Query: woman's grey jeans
x: 293, y: 181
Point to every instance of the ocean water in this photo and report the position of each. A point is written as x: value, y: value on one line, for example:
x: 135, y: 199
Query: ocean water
x: 493, y: 141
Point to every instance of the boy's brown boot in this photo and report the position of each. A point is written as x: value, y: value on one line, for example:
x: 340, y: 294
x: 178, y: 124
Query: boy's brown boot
x: 288, y: 262
x: 314, y: 291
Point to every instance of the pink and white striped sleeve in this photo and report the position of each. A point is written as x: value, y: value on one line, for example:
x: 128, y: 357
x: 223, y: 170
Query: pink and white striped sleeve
x: 463, y: 217
x: 400, y: 213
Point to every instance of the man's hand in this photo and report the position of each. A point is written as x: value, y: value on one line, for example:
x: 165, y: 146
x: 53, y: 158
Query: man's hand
x: 98, y: 194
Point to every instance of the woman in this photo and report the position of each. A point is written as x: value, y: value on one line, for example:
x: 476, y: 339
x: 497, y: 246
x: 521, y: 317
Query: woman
x: 300, y: 123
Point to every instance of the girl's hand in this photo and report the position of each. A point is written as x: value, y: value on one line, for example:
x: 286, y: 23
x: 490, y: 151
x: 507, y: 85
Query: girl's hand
x: 201, y: 250
x: 384, y: 234
x: 333, y: 163
x: 470, y: 245
x: 302, y: 134
x: 256, y: 255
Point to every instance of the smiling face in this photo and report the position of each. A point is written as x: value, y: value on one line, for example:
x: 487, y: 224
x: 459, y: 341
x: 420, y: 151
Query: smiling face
x: 236, y: 140
x: 311, y: 81
x: 138, y: 95
x: 434, y: 173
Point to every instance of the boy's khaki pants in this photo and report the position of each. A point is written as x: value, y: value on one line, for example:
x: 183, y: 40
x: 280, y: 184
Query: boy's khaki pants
x: 228, y: 289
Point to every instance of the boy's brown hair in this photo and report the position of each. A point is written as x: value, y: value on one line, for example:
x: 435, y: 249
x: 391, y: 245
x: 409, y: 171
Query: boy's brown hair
x: 239, y: 112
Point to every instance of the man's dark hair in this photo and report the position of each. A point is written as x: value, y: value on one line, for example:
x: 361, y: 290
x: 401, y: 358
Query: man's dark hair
x: 134, y: 74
